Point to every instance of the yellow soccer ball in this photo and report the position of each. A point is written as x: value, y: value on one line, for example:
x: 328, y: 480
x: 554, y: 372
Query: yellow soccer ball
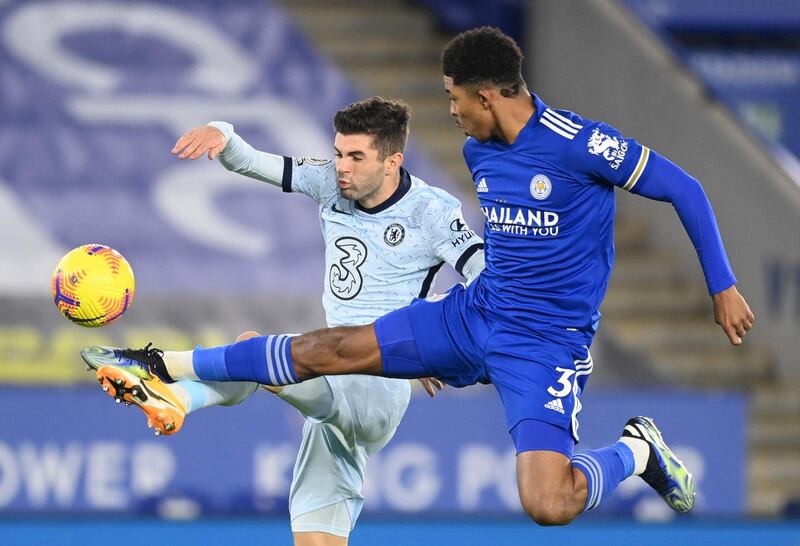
x: 93, y: 285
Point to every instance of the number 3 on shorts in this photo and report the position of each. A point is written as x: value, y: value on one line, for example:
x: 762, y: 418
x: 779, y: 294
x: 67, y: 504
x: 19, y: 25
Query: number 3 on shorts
x: 564, y: 381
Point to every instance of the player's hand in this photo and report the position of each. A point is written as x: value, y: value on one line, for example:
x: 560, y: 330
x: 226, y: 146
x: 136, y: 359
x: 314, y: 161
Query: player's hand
x: 733, y: 314
x: 431, y: 385
x: 198, y: 141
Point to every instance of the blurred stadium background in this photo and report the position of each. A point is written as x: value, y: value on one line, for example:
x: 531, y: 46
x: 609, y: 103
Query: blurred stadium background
x: 94, y: 93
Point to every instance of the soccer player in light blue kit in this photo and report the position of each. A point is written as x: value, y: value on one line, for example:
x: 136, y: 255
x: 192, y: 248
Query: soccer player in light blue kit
x: 387, y: 234
x: 545, y: 179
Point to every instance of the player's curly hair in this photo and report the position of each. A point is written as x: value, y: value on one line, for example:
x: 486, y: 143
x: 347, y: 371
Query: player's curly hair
x: 484, y: 56
x: 385, y: 120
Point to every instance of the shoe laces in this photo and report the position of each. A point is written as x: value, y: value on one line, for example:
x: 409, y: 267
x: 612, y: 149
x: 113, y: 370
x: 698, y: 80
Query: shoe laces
x: 148, y: 358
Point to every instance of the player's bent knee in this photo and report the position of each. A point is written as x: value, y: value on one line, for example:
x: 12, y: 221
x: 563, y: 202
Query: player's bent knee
x: 547, y: 511
x: 238, y: 395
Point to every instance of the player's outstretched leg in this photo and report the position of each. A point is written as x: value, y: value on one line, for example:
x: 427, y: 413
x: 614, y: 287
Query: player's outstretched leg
x: 124, y: 375
x: 268, y: 360
x: 664, y: 472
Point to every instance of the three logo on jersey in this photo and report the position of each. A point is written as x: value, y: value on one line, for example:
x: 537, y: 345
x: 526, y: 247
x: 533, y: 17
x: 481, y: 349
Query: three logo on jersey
x: 523, y: 220
x: 345, y: 277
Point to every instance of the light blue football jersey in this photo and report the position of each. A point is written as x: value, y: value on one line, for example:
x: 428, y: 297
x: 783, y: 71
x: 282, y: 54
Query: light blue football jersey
x: 377, y: 260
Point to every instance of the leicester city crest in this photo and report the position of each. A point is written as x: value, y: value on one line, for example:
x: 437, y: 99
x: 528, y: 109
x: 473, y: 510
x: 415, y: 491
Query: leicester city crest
x: 394, y: 234
x: 540, y: 187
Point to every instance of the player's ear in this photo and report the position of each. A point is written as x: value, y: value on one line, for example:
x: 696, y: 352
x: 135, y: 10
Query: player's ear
x: 393, y: 162
x: 485, y: 98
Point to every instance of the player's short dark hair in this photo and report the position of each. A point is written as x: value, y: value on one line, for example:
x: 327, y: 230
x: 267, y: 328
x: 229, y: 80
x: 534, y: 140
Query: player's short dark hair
x: 484, y: 56
x: 385, y: 120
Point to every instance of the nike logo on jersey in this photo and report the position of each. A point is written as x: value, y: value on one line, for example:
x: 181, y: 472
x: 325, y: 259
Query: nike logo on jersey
x: 335, y: 209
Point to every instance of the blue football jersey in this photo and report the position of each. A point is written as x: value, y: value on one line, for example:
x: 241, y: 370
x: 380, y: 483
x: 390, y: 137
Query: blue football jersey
x: 549, y: 204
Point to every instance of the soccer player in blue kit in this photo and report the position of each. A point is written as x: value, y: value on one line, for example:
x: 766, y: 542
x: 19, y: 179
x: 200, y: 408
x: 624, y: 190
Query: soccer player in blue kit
x: 545, y: 180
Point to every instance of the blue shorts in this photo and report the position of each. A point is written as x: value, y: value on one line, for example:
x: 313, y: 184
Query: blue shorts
x: 539, y: 378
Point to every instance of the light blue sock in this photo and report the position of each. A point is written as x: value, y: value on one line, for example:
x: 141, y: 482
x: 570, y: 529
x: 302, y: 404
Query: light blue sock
x: 264, y: 359
x: 604, y: 469
x: 196, y: 395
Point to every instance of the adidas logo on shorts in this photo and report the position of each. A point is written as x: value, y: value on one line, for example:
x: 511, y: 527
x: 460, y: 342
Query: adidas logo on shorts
x: 555, y: 405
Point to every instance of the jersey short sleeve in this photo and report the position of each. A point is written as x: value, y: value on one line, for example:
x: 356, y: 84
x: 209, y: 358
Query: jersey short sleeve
x: 315, y: 178
x: 450, y: 238
x: 600, y: 152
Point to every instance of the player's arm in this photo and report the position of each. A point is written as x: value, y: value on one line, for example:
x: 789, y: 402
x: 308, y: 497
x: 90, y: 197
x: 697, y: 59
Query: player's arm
x: 313, y: 177
x: 606, y: 155
x: 452, y: 240
x: 662, y: 180
x: 219, y: 140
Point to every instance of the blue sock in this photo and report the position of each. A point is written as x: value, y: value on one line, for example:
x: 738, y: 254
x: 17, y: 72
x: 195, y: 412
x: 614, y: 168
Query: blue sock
x: 265, y: 359
x: 604, y: 470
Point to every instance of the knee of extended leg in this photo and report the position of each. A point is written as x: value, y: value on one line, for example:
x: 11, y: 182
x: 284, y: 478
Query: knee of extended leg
x: 246, y: 335
x: 241, y: 392
x: 545, y: 511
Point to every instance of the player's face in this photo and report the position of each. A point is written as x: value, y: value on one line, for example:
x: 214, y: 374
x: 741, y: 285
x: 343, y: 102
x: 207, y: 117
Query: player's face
x: 359, y: 169
x: 471, y: 114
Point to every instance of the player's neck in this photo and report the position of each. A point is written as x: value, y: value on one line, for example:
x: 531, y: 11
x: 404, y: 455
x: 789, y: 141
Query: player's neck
x: 384, y: 192
x: 513, y: 116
